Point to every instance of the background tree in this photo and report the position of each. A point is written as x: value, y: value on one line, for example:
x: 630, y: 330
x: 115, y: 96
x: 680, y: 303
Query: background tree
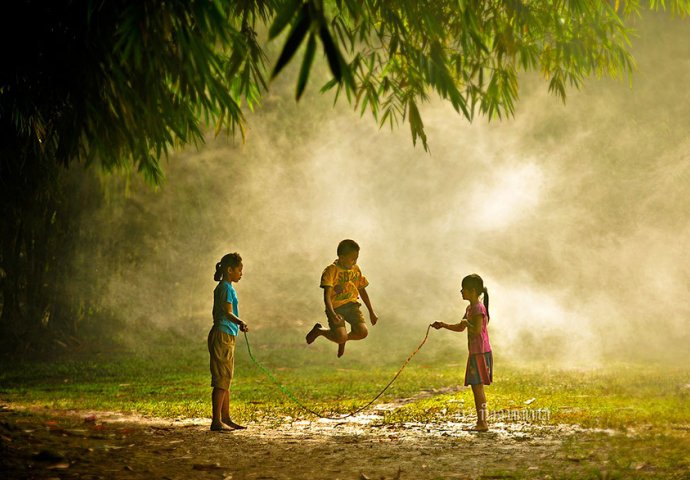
x: 122, y: 83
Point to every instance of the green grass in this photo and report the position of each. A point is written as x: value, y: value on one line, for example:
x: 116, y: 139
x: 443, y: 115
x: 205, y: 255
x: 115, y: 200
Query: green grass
x: 647, y: 406
x: 174, y: 382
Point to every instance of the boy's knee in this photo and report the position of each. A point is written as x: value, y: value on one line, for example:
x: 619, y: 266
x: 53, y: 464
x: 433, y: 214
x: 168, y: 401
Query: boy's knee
x: 340, y: 336
x: 360, y: 332
x: 337, y: 335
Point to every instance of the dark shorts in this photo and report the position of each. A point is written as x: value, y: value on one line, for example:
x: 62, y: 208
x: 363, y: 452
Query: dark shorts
x: 350, y: 313
x: 480, y: 369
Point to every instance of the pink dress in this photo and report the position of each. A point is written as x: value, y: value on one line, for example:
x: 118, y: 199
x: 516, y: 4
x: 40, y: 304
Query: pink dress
x: 480, y: 367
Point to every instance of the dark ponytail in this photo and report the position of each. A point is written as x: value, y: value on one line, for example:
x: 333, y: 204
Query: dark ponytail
x: 219, y: 272
x: 231, y: 260
x: 485, y: 299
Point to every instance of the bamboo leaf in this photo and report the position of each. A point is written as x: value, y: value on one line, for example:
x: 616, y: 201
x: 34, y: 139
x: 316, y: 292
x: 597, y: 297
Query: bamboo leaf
x: 283, y: 18
x: 416, y: 124
x: 393, y: 46
x: 330, y: 84
x: 306, y: 66
x: 332, y: 53
x: 297, y: 34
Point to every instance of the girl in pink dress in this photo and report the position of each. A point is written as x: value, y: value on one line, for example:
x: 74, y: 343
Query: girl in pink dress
x: 480, y: 367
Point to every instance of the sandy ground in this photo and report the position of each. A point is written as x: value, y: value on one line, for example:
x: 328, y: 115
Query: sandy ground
x: 81, y: 444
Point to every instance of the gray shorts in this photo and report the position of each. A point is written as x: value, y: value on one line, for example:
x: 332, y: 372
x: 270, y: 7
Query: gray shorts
x: 350, y: 312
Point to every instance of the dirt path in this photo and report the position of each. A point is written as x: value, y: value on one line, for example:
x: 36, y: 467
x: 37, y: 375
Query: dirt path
x: 99, y: 445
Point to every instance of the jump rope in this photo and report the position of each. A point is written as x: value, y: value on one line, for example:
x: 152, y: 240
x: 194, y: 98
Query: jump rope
x: 292, y: 397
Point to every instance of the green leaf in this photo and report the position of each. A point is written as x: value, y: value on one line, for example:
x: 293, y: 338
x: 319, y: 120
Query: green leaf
x: 297, y: 34
x: 416, y: 124
x: 332, y: 53
x: 478, y: 41
x: 283, y: 18
x: 393, y: 46
x: 234, y: 63
x: 306, y: 66
x: 330, y: 84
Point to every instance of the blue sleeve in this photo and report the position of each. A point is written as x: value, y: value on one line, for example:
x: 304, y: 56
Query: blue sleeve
x: 230, y: 295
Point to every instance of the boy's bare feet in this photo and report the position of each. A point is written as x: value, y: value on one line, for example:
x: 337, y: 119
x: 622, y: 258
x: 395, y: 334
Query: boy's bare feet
x: 233, y: 425
x: 220, y: 427
x: 341, y: 349
x: 314, y: 333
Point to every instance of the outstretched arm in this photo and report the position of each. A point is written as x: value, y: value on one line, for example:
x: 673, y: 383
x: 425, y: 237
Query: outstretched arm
x: 365, y: 298
x: 454, y: 327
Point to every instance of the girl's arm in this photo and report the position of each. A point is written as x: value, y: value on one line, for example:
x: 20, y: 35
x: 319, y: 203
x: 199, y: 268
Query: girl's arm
x: 475, y: 325
x: 455, y: 327
x: 233, y: 318
x: 365, y: 298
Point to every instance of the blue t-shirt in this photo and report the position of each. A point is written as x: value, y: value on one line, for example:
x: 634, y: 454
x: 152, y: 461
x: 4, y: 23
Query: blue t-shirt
x: 225, y: 293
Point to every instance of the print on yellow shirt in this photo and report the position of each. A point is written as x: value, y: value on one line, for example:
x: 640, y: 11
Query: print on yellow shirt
x: 345, y: 283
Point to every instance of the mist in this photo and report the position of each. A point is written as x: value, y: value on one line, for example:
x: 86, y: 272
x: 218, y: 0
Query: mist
x: 575, y: 215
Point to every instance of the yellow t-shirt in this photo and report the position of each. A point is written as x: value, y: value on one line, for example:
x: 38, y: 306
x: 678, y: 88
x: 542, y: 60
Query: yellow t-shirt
x: 345, y: 283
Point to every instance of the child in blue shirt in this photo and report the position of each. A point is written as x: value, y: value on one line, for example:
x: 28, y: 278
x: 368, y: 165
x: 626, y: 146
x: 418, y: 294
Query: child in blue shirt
x: 221, y: 339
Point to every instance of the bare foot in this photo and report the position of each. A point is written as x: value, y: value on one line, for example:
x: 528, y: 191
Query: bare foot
x: 233, y: 425
x: 314, y: 333
x: 480, y: 427
x: 341, y: 349
x: 220, y: 427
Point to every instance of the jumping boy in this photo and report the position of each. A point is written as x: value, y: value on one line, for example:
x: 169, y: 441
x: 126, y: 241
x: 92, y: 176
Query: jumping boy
x: 343, y: 284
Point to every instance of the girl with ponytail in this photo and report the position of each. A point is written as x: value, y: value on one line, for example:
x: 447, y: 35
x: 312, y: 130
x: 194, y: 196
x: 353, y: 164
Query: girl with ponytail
x: 480, y: 366
x: 221, y: 339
